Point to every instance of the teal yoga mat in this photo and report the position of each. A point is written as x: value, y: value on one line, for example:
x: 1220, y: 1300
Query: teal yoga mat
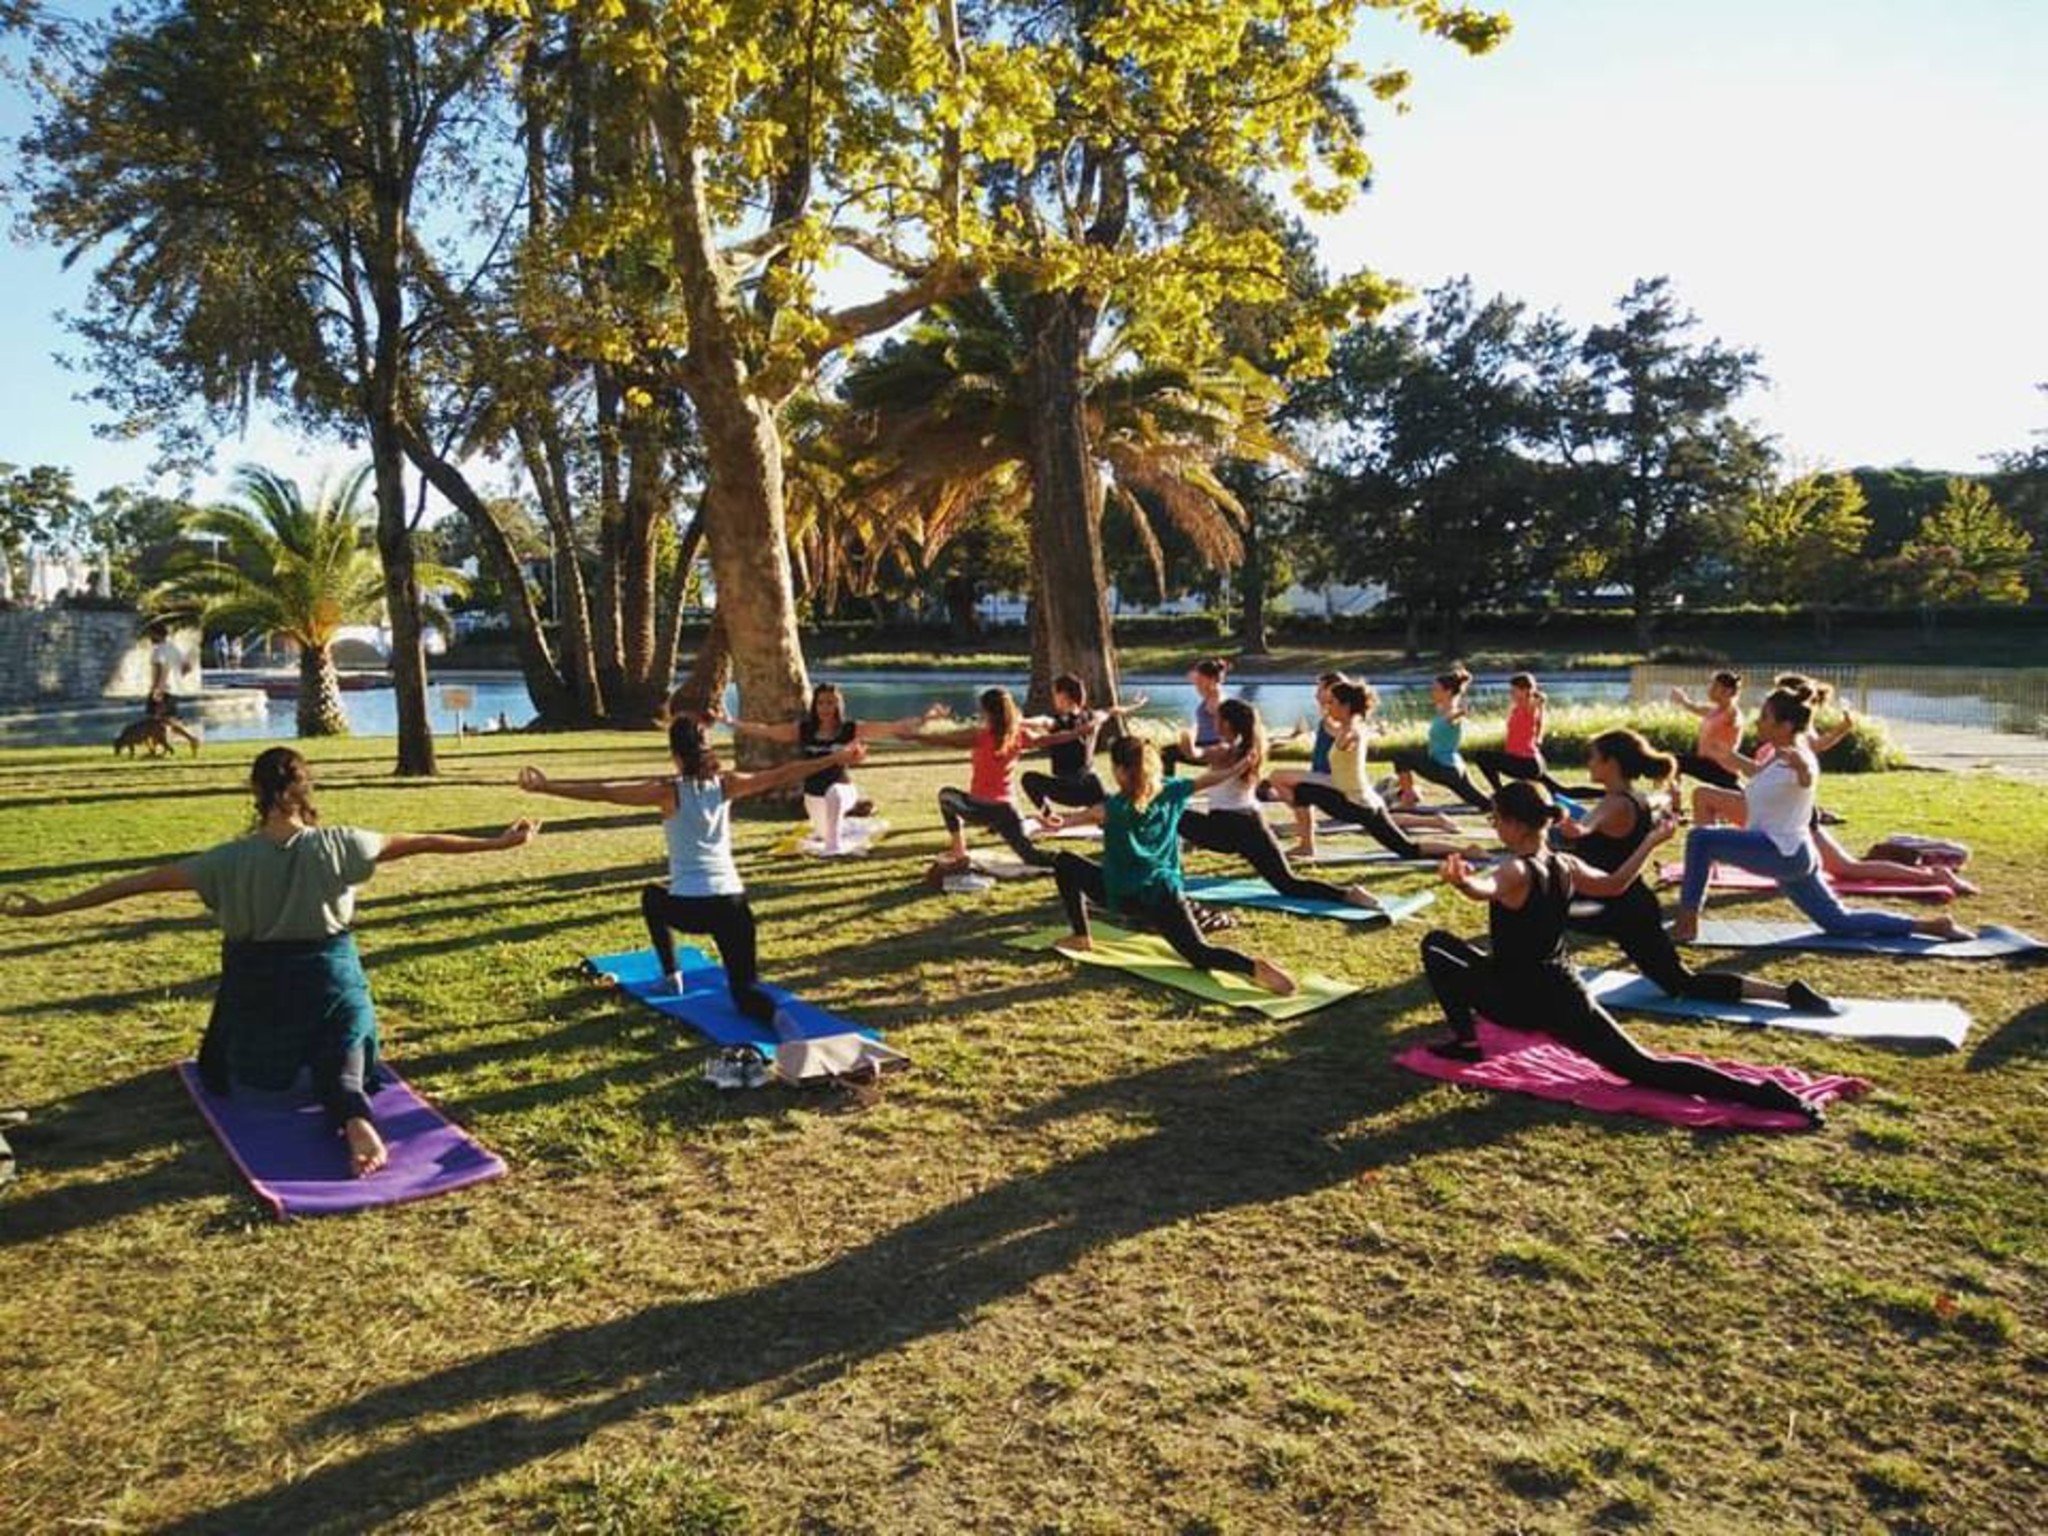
x: 1256, y: 893
x: 1914, y: 1020
x: 1992, y: 942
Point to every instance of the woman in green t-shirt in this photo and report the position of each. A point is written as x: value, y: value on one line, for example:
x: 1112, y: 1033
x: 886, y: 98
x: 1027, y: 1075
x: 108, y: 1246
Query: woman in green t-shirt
x: 292, y: 995
x: 1140, y: 868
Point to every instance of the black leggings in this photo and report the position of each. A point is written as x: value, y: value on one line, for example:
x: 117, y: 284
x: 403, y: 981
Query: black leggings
x: 1245, y: 835
x: 1335, y: 804
x: 1692, y: 766
x: 1171, y: 757
x: 1635, y: 922
x: 1080, y: 882
x: 958, y: 808
x: 729, y: 921
x: 1551, y: 1001
x: 1423, y: 766
x: 1497, y: 764
x: 1043, y: 789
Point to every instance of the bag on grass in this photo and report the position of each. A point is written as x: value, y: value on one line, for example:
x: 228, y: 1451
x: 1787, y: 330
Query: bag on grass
x: 848, y: 1058
x: 1922, y: 852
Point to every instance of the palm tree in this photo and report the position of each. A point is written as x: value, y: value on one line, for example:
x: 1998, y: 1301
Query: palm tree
x: 937, y: 429
x: 289, y: 569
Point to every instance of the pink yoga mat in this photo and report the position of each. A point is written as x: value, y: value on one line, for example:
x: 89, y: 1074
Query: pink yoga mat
x: 1726, y: 877
x: 1536, y: 1064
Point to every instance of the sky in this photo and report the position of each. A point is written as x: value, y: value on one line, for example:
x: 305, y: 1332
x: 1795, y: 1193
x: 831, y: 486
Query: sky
x: 1848, y: 187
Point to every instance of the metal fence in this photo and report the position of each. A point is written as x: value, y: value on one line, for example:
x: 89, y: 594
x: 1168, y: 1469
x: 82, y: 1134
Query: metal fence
x: 2010, y: 699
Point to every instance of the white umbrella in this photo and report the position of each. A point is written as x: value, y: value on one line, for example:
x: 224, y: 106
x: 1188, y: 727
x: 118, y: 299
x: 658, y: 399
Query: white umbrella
x: 74, y: 571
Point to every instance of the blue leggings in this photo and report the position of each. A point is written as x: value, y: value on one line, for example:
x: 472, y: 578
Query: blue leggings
x: 1798, y: 874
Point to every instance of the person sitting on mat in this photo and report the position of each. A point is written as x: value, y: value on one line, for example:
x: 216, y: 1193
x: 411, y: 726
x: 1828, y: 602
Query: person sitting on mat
x: 821, y: 731
x: 1347, y: 797
x: 1206, y: 677
x: 1778, y: 843
x: 1440, y: 760
x: 1521, y: 754
x: 1718, y: 805
x: 1720, y: 731
x: 704, y: 893
x: 994, y: 747
x: 1140, y: 869
x: 1528, y: 982
x: 292, y: 995
x: 1607, y: 838
x: 1072, y: 730
x: 1234, y: 823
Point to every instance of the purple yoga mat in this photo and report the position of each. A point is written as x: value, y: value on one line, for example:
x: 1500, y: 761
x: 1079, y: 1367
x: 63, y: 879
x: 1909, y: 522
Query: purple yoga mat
x: 299, y: 1167
x: 1515, y: 1062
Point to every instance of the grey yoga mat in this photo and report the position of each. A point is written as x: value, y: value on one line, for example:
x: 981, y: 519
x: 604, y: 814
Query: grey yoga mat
x: 1861, y: 1018
x: 1992, y: 942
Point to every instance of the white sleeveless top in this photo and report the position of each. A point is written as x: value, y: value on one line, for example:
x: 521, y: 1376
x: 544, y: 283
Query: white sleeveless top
x: 1780, y: 806
x: 700, y: 842
x: 1237, y: 793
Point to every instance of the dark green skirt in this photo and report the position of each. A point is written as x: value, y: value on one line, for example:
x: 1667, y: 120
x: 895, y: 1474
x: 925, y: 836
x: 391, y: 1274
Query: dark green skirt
x: 288, y: 1006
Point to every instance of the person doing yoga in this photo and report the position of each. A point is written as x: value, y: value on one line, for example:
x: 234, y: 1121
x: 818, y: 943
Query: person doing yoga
x: 820, y: 732
x: 1140, y: 869
x: 1778, y: 843
x: 292, y: 997
x: 1607, y: 838
x: 1347, y: 797
x: 1283, y: 781
x: 1073, y: 728
x: 1440, y: 761
x: 994, y: 747
x: 1716, y: 805
x: 1234, y: 823
x: 1203, y: 734
x: 1719, y: 734
x: 1521, y: 754
x: 1528, y: 981
x: 704, y: 893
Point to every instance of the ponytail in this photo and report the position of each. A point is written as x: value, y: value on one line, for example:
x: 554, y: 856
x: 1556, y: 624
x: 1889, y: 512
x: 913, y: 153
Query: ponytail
x: 1792, y: 706
x: 1526, y: 804
x: 687, y: 745
x: 1526, y: 681
x: 1248, y: 728
x: 999, y: 713
x: 1215, y: 668
x: 1636, y: 758
x: 281, y: 780
x: 1136, y: 760
x: 1455, y: 681
x: 1356, y: 697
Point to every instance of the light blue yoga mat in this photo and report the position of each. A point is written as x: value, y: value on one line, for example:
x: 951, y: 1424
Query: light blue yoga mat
x: 706, y: 1004
x: 1256, y: 893
x: 1992, y: 942
x: 1861, y: 1018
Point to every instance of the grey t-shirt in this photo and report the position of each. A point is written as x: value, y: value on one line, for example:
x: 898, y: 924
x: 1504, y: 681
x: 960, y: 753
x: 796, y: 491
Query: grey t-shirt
x: 302, y: 888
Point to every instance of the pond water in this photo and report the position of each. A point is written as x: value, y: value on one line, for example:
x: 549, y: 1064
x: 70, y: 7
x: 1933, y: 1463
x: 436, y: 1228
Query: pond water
x: 1284, y: 703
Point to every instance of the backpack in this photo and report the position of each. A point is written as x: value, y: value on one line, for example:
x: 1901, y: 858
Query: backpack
x: 1922, y: 852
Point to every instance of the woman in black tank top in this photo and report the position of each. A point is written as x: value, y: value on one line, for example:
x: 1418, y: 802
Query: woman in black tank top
x: 1606, y: 839
x: 1528, y: 983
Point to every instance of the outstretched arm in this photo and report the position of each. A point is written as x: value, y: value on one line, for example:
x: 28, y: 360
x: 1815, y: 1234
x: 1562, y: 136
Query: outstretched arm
x: 1455, y: 873
x: 403, y: 845
x: 1686, y: 702
x: 165, y: 877
x: 909, y: 728
x: 1588, y: 881
x: 738, y: 786
x: 653, y: 792
x: 1844, y: 729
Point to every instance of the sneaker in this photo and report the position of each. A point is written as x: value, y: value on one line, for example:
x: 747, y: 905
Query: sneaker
x: 753, y: 1068
x: 722, y: 1072
x: 966, y: 883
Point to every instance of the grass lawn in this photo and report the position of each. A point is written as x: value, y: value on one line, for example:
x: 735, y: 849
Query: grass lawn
x: 1106, y: 1260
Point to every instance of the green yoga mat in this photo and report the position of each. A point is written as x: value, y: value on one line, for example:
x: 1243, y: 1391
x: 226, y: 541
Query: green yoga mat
x: 1149, y: 956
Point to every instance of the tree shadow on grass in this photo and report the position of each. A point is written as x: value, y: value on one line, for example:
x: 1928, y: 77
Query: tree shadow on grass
x: 2022, y: 1037
x: 1261, y: 1124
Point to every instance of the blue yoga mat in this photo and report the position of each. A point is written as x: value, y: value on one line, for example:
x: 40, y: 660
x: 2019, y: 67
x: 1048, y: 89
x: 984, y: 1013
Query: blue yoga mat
x: 706, y: 1005
x: 1256, y: 893
x: 1861, y: 1018
x: 1992, y: 942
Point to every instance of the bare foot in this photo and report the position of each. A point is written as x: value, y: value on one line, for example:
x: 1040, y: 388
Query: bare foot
x: 1945, y: 928
x: 1954, y: 881
x: 366, y: 1153
x: 1272, y: 978
x: 1685, y: 927
x: 1081, y: 942
x: 1359, y: 896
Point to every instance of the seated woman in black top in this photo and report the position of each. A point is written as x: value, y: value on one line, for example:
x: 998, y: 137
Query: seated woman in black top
x: 1073, y: 727
x: 1528, y: 981
x: 1607, y: 838
x: 820, y: 732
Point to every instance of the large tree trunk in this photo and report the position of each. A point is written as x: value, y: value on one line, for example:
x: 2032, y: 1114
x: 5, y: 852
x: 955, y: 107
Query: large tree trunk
x: 710, y: 673
x: 402, y: 600
x: 547, y: 465
x: 320, y: 710
x: 669, y: 639
x: 642, y: 689
x: 1069, y: 582
x: 1253, y: 640
x: 552, y: 700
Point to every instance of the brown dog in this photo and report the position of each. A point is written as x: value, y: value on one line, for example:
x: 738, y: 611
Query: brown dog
x: 146, y: 732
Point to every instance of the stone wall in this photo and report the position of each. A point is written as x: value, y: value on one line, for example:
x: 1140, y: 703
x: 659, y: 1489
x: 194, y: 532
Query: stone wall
x: 61, y: 653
